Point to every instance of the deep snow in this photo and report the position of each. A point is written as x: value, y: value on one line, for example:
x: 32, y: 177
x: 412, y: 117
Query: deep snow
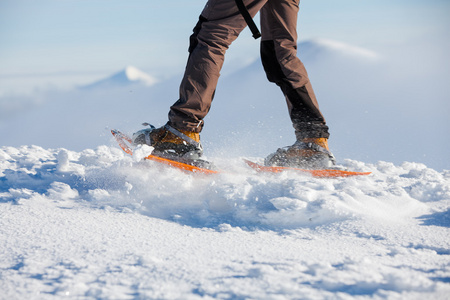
x: 98, y: 224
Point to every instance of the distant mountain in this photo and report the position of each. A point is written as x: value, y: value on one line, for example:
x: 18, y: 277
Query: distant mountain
x: 127, y: 77
x: 317, y: 54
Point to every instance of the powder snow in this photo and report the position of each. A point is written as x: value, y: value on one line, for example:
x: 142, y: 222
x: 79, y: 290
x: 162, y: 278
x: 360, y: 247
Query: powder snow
x: 99, y: 224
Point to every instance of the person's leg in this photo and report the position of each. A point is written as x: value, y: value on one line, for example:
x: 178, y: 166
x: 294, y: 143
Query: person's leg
x: 283, y: 67
x: 219, y: 25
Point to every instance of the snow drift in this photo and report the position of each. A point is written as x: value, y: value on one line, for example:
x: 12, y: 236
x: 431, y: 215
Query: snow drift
x: 238, y: 196
x: 101, y: 224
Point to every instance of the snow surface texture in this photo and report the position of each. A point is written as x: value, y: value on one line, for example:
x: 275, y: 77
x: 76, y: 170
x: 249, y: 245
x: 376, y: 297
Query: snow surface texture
x: 99, y: 224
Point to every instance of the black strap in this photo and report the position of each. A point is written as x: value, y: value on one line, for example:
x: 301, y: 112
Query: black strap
x: 248, y: 19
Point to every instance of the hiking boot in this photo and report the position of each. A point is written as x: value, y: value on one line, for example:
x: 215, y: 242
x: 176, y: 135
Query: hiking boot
x: 169, y: 142
x: 309, y: 153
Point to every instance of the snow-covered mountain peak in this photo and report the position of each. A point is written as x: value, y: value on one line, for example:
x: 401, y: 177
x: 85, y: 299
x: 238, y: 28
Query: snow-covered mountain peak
x: 134, y: 74
x: 128, y: 76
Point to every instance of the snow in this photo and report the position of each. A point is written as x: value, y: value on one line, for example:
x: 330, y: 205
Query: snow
x: 99, y: 224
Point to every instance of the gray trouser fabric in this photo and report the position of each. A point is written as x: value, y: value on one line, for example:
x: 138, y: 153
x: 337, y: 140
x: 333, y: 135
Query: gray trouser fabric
x: 219, y: 25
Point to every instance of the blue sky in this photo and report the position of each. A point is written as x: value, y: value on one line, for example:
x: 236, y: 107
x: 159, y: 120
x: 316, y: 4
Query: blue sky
x: 53, y: 36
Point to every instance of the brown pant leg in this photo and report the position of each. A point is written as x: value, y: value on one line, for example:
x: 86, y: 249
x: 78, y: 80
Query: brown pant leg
x: 283, y: 67
x: 220, y: 24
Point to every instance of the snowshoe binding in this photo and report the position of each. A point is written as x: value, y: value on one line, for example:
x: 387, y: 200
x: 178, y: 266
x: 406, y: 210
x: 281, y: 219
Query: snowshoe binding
x: 171, y: 143
x: 312, y: 154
